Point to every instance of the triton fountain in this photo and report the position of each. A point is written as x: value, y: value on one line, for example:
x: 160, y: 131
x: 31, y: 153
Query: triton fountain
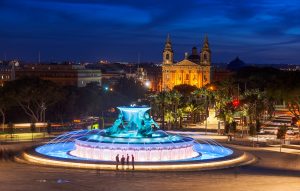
x: 135, y: 133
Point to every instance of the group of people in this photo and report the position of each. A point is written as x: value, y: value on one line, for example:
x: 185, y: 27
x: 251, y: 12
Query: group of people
x: 124, y: 160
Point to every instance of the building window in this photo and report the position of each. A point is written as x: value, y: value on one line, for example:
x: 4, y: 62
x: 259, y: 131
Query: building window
x: 205, y: 56
x: 167, y: 56
x: 187, y: 77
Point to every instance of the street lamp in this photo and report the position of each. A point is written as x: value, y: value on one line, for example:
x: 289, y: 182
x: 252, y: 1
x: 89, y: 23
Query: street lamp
x: 43, y: 117
x: 147, y: 84
x: 212, y: 88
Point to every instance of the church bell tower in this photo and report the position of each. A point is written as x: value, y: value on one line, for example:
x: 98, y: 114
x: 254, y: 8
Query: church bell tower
x: 205, y: 55
x: 168, y: 54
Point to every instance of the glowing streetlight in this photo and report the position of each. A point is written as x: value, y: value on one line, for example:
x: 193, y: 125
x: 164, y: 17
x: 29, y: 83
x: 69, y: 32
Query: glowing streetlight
x: 212, y: 88
x: 148, y: 84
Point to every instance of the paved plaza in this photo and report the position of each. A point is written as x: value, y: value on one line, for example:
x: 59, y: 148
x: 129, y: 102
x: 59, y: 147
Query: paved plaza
x: 273, y: 171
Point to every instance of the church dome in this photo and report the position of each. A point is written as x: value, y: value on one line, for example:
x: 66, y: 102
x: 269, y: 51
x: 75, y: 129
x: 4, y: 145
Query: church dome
x: 236, y: 64
x: 194, y: 57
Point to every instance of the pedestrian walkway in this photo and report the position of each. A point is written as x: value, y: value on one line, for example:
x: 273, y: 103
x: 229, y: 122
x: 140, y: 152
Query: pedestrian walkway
x: 292, y: 146
x: 274, y: 148
x: 277, y: 148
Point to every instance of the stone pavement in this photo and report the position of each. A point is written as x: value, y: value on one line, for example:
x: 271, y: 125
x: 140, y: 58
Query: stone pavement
x: 274, y: 171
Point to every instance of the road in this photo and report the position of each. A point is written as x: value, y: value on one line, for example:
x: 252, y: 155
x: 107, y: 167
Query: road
x: 274, y: 171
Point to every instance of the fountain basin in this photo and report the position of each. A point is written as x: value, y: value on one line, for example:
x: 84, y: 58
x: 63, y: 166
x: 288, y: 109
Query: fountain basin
x: 135, y: 133
x: 142, y: 152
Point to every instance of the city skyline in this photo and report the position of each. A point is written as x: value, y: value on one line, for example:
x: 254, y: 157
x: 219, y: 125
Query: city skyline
x: 265, y: 31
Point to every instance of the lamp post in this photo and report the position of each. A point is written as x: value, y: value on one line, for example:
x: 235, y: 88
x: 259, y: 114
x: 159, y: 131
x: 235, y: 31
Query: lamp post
x: 43, y: 117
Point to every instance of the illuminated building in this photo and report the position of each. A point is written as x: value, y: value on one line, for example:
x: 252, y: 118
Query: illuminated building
x: 7, y: 71
x: 62, y: 74
x: 193, y: 70
x: 5, y: 74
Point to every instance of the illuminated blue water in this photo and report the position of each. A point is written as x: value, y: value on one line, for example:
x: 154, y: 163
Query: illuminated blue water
x: 61, y: 150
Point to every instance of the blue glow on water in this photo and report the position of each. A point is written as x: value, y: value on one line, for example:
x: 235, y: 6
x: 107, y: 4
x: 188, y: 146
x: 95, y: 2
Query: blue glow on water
x: 133, y: 128
x: 61, y: 150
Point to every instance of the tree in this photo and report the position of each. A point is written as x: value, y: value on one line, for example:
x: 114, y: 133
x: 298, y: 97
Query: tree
x: 34, y: 96
x: 233, y: 127
x: 160, y: 103
x: 169, y: 117
x: 223, y: 97
x: 255, y: 104
x: 252, y: 130
x: 294, y: 106
x: 195, y: 110
x: 180, y: 113
x: 185, y: 89
x: 5, y: 103
x: 282, y: 132
x: 174, y: 98
x: 202, y: 98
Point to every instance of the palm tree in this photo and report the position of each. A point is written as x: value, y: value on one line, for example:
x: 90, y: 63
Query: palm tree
x: 223, y: 97
x: 169, y: 117
x: 195, y: 109
x: 160, y: 104
x: 256, y: 103
x: 174, y: 101
x: 179, y: 114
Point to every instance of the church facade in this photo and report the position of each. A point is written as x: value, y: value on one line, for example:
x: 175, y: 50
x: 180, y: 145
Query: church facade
x: 193, y: 70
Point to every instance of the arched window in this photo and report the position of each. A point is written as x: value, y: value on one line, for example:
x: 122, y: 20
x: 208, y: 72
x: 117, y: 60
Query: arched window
x: 205, y: 56
x: 167, y: 56
x: 187, y: 77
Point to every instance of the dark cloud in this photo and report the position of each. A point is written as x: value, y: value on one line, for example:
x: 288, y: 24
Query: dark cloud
x: 121, y: 29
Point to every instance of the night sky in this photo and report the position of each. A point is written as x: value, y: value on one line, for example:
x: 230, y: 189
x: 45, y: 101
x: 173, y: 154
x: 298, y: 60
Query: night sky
x: 259, y: 31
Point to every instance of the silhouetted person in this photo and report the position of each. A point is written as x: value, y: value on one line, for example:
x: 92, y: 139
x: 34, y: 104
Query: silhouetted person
x: 117, y: 162
x: 123, y: 162
x: 132, y: 162
x: 127, y: 161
